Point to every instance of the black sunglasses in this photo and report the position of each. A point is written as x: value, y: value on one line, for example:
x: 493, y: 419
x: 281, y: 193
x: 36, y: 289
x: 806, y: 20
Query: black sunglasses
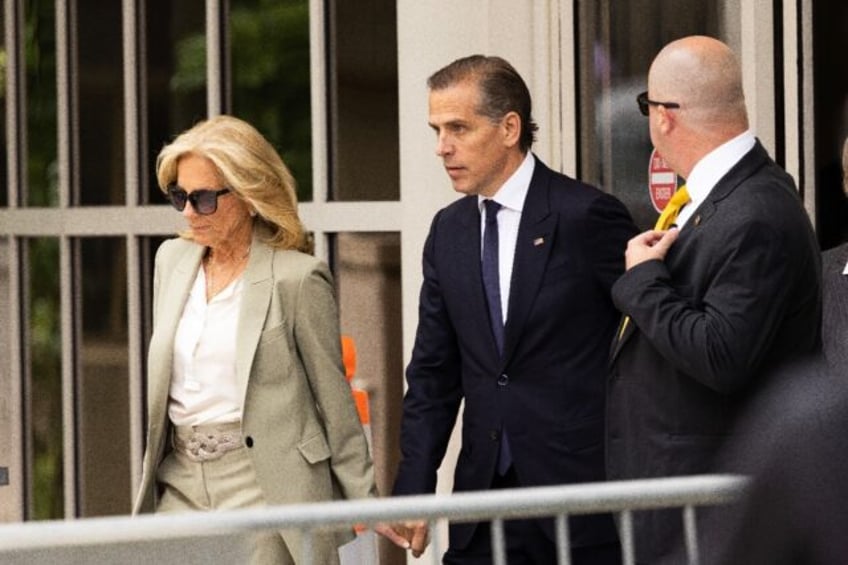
x: 644, y: 102
x: 204, y: 201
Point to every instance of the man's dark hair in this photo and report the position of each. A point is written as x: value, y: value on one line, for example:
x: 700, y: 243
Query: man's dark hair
x: 502, y: 90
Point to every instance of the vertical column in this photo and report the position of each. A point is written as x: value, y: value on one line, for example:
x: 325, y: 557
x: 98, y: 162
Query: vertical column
x: 215, y: 68
x: 68, y: 136
x: 133, y: 119
x: 757, y: 20
x: 320, y: 146
x: 12, y: 416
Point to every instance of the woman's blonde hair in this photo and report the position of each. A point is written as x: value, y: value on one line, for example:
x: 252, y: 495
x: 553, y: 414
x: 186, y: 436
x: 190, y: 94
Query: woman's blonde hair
x: 249, y: 166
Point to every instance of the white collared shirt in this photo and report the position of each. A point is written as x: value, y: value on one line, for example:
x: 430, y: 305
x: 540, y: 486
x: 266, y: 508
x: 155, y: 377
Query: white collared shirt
x: 710, y: 169
x: 204, y: 389
x: 511, y: 197
x: 845, y: 270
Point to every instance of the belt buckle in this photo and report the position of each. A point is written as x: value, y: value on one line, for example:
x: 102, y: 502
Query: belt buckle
x: 209, y: 447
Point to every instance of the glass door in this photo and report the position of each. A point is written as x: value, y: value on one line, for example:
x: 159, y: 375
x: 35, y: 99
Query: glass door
x: 616, y: 43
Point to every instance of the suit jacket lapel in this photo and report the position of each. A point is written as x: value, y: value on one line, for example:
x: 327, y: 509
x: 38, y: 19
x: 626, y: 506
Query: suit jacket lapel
x: 536, y: 233
x: 172, y: 299
x: 747, y: 166
x: 257, y: 290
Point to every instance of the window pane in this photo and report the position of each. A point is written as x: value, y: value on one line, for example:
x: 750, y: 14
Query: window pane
x: 4, y: 182
x: 830, y: 42
x: 614, y: 59
x: 176, y: 76
x: 101, y: 103
x: 270, y: 78
x: 40, y: 55
x: 103, y: 385
x: 364, y: 101
x: 45, y: 371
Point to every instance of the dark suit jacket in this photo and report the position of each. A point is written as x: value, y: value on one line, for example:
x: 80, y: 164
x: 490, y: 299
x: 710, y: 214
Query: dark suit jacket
x: 793, y: 443
x: 835, y: 311
x: 738, y: 294
x: 548, y: 388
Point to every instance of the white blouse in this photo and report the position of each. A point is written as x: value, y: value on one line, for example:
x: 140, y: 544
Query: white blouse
x: 203, y: 380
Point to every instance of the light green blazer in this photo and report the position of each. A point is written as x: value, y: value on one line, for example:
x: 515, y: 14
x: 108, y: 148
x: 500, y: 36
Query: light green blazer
x: 307, y: 442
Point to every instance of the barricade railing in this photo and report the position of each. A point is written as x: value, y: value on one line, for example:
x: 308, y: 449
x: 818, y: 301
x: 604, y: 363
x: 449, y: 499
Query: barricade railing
x: 619, y: 497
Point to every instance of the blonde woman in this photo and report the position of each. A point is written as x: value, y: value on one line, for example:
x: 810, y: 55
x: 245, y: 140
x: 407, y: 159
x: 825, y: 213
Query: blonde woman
x: 247, y: 400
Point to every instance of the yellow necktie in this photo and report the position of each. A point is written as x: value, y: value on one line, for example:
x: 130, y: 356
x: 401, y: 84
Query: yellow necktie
x: 679, y: 199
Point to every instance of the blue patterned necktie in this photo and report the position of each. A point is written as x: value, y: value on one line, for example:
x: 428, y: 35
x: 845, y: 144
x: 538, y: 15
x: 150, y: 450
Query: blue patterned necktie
x: 491, y: 272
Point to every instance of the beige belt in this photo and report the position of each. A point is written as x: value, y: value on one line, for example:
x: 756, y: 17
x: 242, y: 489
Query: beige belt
x: 208, y: 442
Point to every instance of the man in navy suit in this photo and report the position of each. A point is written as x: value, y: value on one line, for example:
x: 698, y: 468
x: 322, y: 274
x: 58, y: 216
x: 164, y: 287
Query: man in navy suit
x: 716, y: 305
x: 527, y: 347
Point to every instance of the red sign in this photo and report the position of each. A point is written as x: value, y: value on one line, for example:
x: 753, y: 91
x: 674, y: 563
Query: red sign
x: 662, y: 181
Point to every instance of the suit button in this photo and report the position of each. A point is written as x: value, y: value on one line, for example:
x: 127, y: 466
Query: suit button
x: 503, y: 380
x: 493, y: 435
x: 248, y: 441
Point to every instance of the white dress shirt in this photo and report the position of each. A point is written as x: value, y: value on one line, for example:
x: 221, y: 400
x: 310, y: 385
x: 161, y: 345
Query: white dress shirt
x: 511, y: 197
x: 710, y: 169
x: 203, y: 380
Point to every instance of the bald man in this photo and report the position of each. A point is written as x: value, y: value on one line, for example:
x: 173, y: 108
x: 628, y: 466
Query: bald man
x: 715, y: 303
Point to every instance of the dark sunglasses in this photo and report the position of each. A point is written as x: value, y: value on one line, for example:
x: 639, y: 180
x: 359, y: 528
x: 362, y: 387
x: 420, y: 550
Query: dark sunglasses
x: 644, y: 102
x: 204, y: 201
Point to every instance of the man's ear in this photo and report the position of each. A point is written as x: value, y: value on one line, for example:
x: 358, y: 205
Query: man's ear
x: 666, y: 120
x: 511, y: 125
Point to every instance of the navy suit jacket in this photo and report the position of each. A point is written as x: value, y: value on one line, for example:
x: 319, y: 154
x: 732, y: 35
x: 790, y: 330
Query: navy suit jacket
x: 548, y: 387
x: 739, y: 294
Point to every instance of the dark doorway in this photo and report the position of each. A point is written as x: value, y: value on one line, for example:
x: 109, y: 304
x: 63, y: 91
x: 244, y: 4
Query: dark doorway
x: 830, y: 85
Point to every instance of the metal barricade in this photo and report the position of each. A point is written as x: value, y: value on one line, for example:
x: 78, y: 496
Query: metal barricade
x: 621, y: 497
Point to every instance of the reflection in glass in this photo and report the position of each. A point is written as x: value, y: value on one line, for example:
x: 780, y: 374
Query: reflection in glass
x: 364, y: 101
x: 615, y: 55
x: 40, y: 60
x: 101, y: 103
x: 45, y: 372
x: 270, y: 78
x: 103, y: 382
x: 176, y: 77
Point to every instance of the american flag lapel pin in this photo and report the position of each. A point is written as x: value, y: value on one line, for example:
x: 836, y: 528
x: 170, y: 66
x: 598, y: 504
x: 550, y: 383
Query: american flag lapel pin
x: 538, y: 241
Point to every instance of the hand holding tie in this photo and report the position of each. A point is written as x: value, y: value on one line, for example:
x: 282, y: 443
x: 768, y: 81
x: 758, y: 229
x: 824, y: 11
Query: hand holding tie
x: 650, y: 245
x: 654, y: 244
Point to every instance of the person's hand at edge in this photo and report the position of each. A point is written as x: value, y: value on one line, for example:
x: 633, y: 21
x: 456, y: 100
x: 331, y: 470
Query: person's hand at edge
x: 414, y: 536
x: 395, y: 534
